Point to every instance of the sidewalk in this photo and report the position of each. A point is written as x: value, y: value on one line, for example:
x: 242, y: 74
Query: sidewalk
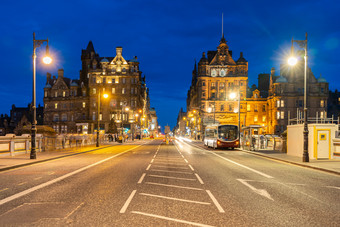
x: 23, y: 159
x: 331, y: 166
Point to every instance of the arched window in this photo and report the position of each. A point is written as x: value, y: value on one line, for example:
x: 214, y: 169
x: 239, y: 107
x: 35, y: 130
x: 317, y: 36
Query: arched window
x: 64, y: 117
x: 222, y: 72
x: 56, y: 117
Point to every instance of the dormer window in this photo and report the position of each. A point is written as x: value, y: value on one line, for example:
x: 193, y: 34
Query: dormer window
x: 64, y: 93
x: 213, y: 72
x: 222, y: 72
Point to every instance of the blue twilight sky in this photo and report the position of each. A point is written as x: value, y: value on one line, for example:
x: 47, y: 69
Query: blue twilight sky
x: 167, y: 37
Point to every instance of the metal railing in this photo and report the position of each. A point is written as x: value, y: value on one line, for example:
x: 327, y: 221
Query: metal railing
x: 12, y: 145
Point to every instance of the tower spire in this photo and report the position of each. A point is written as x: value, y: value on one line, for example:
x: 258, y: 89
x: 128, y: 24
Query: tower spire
x: 222, y: 27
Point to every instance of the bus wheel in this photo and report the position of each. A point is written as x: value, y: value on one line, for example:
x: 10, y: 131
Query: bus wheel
x: 233, y: 148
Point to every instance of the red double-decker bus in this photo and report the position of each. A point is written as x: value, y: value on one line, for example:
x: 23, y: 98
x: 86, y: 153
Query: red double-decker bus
x: 221, y: 136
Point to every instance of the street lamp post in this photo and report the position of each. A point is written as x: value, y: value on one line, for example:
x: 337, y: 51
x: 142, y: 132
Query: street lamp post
x: 47, y: 60
x: 293, y: 61
x: 233, y: 96
x: 98, y: 117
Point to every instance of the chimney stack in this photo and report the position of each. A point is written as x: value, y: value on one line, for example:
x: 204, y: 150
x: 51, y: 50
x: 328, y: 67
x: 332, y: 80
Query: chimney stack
x: 60, y: 73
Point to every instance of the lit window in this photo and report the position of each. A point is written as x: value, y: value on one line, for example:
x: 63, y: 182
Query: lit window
x: 222, y: 73
x: 55, y: 105
x: 56, y: 94
x: 84, y: 104
x: 94, y: 91
x: 123, y: 90
x: 278, y: 103
x: 100, y: 117
x: 45, y: 93
x: 113, y: 90
x: 322, y: 103
x: 282, y: 115
x: 282, y: 103
x: 255, y: 118
x: 248, y: 107
x: 322, y: 114
x: 212, y: 84
x: 278, y: 115
x: 64, y: 93
x: 263, y: 118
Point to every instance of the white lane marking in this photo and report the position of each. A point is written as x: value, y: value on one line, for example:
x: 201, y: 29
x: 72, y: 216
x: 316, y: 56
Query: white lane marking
x: 333, y: 187
x: 168, y: 167
x: 262, y: 192
x: 177, y: 199
x: 4, y: 189
x: 148, y: 167
x: 50, y: 173
x: 167, y: 171
x: 191, y: 167
x: 37, y: 178
x: 220, y: 209
x: 152, y: 160
x: 171, y: 219
x: 199, y: 179
x: 27, y: 191
x: 167, y: 158
x: 141, y: 178
x: 174, y: 186
x: 169, y: 163
x: 128, y: 201
x: 73, y: 210
x: 22, y: 183
x: 154, y: 156
x: 186, y: 161
x: 177, y: 178
x: 246, y: 167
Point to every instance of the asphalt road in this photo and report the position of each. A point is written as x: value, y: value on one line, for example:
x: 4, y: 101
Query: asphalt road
x: 154, y: 184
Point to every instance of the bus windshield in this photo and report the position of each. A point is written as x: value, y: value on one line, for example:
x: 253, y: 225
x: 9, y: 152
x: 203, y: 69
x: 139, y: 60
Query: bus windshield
x: 227, y: 132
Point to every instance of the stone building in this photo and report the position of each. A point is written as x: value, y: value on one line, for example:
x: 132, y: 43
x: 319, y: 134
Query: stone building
x: 71, y: 106
x: 277, y: 99
x: 218, y: 75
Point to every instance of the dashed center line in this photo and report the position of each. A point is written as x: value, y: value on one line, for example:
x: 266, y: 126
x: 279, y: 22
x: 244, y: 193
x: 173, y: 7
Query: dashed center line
x: 22, y: 183
x: 37, y: 178
x: 199, y: 179
x: 141, y: 178
x: 168, y: 167
x: 191, y: 167
x: 148, y: 167
x: 4, y: 189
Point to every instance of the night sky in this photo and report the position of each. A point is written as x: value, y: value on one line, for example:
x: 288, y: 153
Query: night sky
x: 167, y: 37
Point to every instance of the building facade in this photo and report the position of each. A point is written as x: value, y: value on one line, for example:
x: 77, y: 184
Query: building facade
x: 275, y: 103
x: 75, y: 106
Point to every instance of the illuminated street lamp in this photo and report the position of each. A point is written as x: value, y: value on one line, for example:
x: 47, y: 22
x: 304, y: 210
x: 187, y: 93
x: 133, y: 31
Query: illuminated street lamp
x: 47, y: 60
x: 292, y: 61
x: 233, y: 96
x: 98, y: 119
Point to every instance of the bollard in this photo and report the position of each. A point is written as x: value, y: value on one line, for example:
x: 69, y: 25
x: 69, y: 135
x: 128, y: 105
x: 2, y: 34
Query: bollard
x: 27, y: 145
x: 11, y: 147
